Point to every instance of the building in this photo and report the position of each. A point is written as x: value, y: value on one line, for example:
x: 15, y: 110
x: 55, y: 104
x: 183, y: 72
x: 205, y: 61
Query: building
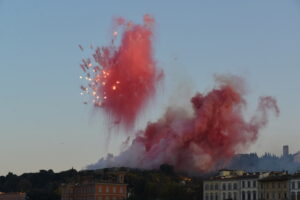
x: 231, y: 184
x: 249, y: 186
x: 285, y: 151
x: 12, y: 196
x: 275, y: 186
x: 95, y: 190
x: 240, y: 185
x: 295, y: 186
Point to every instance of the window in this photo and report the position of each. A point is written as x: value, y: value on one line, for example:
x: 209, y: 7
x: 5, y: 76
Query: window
x: 254, y: 183
x: 114, y: 189
x: 235, y: 186
x: 224, y: 186
x: 279, y: 185
x: 293, y: 196
x: 243, y: 195
x: 249, y: 184
x: 243, y: 184
x: 293, y: 185
x: 224, y: 195
x: 248, y: 195
x: 107, y: 189
x: 211, y: 186
x: 229, y: 195
x: 211, y: 196
x: 229, y: 186
x: 121, y: 189
x: 206, y: 187
x: 100, y: 189
x: 107, y: 198
x: 216, y: 186
x: 216, y: 196
x: 234, y: 196
x: 100, y: 198
x: 206, y: 196
x: 254, y: 195
x: 298, y: 183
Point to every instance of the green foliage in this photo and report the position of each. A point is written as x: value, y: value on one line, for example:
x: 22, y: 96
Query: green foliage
x: 163, y: 184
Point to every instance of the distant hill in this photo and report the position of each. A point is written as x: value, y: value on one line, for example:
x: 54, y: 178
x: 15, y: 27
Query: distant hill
x: 268, y: 162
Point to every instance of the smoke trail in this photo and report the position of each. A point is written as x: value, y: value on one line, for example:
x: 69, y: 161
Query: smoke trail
x: 124, y: 77
x: 213, y: 134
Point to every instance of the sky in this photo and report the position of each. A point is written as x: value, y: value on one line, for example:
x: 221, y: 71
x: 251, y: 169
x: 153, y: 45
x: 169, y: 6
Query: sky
x: 43, y: 121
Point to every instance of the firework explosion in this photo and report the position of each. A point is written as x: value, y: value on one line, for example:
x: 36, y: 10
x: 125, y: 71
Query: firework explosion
x: 124, y: 77
x: 200, y: 142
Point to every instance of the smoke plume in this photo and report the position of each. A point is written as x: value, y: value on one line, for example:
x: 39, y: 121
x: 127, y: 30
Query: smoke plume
x: 201, y: 141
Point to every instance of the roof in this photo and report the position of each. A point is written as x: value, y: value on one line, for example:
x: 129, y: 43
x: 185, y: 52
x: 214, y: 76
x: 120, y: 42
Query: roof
x: 295, y: 176
x: 275, y: 178
x: 224, y: 178
x: 91, y: 183
x: 13, y: 194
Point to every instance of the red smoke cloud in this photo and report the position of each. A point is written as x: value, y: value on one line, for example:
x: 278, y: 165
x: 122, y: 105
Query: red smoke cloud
x: 201, y: 141
x: 124, y: 77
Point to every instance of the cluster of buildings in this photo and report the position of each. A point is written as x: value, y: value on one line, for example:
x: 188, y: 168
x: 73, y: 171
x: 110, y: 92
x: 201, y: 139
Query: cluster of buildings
x: 241, y: 185
x: 93, y: 190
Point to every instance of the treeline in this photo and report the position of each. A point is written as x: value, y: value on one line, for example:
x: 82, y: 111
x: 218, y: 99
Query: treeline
x: 43, y: 185
x: 162, y: 184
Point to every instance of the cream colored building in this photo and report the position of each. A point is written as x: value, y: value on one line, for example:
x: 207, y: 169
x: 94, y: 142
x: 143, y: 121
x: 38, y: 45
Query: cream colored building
x: 295, y: 186
x: 274, y: 187
x: 249, y: 187
x: 230, y: 184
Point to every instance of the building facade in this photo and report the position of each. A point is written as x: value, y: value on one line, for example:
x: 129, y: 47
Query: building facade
x: 94, y: 191
x: 12, y: 196
x: 239, y: 185
x: 249, y: 186
x: 295, y: 186
x: 231, y: 185
x: 274, y: 187
x: 112, y: 188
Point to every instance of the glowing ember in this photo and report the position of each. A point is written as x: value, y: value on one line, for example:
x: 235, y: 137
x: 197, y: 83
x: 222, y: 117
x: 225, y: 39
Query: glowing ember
x: 124, y: 77
x: 115, y: 34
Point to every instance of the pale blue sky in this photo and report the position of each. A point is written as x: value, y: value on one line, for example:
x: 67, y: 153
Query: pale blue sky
x: 43, y: 123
